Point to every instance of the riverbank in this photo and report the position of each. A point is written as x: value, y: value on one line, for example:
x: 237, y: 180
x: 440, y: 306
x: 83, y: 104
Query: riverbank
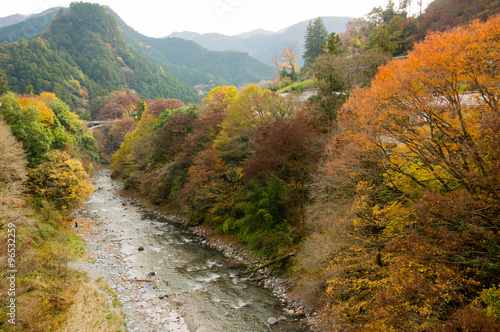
x: 112, y: 241
x: 234, y: 249
x: 131, y: 254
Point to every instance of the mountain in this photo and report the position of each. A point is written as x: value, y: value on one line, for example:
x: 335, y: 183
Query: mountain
x: 27, y: 26
x: 83, y: 54
x: 223, y: 67
x: 262, y: 44
x: 256, y: 32
x: 12, y: 19
x: 183, y: 59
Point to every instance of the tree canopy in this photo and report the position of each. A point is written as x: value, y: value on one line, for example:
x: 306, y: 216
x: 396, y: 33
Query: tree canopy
x: 316, y: 35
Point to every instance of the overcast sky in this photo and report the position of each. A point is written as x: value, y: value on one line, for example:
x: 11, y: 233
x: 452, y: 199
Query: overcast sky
x: 159, y: 18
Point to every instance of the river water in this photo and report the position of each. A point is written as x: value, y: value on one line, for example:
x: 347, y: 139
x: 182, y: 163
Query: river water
x: 175, y: 283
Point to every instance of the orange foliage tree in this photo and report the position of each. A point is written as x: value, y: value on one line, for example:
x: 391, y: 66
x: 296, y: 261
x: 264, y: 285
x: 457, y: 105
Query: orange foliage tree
x: 418, y: 249
x: 208, y: 194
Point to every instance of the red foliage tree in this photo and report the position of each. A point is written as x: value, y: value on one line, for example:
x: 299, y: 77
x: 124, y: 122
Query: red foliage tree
x: 288, y: 148
x: 207, y: 194
x: 160, y: 105
x: 119, y: 105
x: 205, y: 130
x: 170, y: 138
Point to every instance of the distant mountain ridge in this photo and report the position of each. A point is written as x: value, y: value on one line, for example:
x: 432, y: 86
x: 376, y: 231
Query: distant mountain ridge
x: 83, y: 54
x: 12, y: 19
x: 263, y: 44
x: 186, y: 60
x: 25, y: 26
x: 205, y: 66
x: 203, y: 60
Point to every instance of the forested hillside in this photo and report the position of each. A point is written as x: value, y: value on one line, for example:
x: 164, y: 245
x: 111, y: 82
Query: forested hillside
x: 384, y: 185
x: 83, y: 55
x: 186, y: 61
x: 229, y: 67
x: 379, y: 196
x: 46, y: 157
x: 28, y: 27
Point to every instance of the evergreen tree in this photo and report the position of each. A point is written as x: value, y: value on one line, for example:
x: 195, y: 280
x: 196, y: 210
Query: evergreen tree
x: 316, y: 35
x: 333, y: 45
x: 4, y: 85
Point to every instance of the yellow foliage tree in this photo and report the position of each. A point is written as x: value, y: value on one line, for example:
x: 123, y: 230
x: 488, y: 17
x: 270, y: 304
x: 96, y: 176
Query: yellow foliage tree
x: 226, y: 93
x: 251, y: 108
x: 61, y: 179
x: 46, y: 114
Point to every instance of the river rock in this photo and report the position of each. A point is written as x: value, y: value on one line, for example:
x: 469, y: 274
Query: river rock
x: 272, y: 321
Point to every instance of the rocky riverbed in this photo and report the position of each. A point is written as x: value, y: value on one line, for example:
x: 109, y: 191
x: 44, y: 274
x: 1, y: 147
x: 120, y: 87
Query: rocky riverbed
x: 168, y: 280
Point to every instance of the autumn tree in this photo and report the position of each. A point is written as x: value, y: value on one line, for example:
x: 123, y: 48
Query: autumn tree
x: 131, y: 160
x: 286, y: 152
x: 289, y: 66
x: 27, y: 127
x: 209, y: 123
x: 160, y: 105
x: 252, y: 107
x: 416, y: 248
x: 288, y: 148
x: 67, y: 123
x: 221, y: 94
x: 208, y: 195
x: 60, y: 179
x: 170, y: 137
x: 119, y: 105
x: 441, y: 15
x: 355, y: 38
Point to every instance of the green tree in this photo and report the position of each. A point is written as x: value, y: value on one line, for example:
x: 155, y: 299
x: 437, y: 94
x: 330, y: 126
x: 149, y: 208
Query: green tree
x: 29, y: 90
x: 333, y: 45
x: 244, y: 115
x: 339, y: 74
x: 26, y: 127
x: 260, y: 219
x: 139, y: 110
x: 316, y: 35
x: 4, y: 85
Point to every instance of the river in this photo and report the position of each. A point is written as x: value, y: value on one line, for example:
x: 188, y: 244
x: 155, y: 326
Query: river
x: 173, y: 282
